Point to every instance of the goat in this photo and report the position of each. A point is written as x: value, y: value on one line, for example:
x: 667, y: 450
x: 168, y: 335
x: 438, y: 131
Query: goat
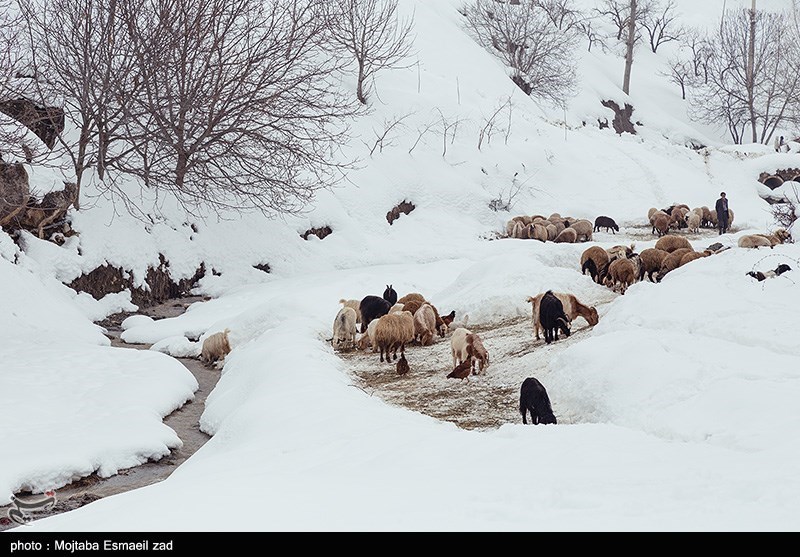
x: 573, y: 309
x: 372, y: 307
x: 390, y: 295
x: 424, y: 324
x: 552, y: 317
x: 215, y: 347
x: 344, y: 329
x: 533, y: 399
x: 355, y: 304
x: 607, y: 223
x: 476, y: 352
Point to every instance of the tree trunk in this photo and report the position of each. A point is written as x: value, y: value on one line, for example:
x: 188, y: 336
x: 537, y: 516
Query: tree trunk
x: 360, y: 89
x: 751, y: 56
x: 626, y: 82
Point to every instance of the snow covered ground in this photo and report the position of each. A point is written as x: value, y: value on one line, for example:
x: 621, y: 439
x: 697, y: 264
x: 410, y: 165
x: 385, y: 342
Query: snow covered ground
x: 676, y: 412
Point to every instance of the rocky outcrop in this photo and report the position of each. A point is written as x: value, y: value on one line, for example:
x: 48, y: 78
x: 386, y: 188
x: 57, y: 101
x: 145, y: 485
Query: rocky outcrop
x: 45, y: 121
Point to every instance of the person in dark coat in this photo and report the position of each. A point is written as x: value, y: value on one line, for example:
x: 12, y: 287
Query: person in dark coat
x: 722, y: 213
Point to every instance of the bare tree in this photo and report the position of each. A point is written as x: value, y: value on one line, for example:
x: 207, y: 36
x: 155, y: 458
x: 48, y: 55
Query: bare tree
x: 680, y: 73
x: 12, y: 132
x: 85, y: 66
x: 564, y: 15
x: 236, y: 106
x: 617, y: 12
x: 661, y: 24
x: 540, y: 55
x: 370, y: 32
x: 760, y: 95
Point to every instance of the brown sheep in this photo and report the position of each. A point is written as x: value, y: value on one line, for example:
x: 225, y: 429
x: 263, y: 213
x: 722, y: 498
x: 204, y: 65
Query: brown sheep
x: 573, y: 308
x: 595, y: 259
x: 706, y: 216
x: 672, y: 262
x: 393, y: 331
x: 661, y: 222
x: 567, y: 236
x: 670, y: 243
x: 622, y: 272
x: 538, y: 232
x: 411, y: 296
x: 552, y: 231
x: 584, y: 228
x: 651, y: 259
x: 692, y: 255
x: 652, y: 211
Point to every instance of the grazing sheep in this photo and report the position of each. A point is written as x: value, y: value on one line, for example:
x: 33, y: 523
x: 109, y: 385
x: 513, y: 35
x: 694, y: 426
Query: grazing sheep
x: 651, y: 260
x: 620, y: 252
x: 344, y: 329
x: 607, y: 223
x: 411, y: 296
x: 552, y: 317
x: 677, y: 218
x: 393, y: 331
x: 372, y: 307
x: 706, y: 216
x: 355, y: 304
x: 693, y: 221
x: 368, y: 338
x: 538, y: 232
x: 412, y: 306
x: 595, y: 259
x: 652, y: 211
x: 215, y: 347
x: 691, y: 256
x: 573, y: 309
x: 552, y: 231
x: 516, y: 231
x: 533, y: 399
x: 583, y: 229
x: 390, y: 295
x: 672, y: 262
x: 402, y: 365
x: 476, y: 353
x: 622, y: 273
x: 661, y: 222
x: 424, y: 324
x: 414, y: 301
x: 567, y: 236
x: 671, y: 242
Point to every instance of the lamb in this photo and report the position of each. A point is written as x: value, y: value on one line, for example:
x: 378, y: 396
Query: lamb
x: 533, y: 398
x: 607, y: 223
x: 424, y: 324
x: 573, y: 309
x: 356, y: 305
x: 651, y: 260
x: 215, y: 347
x: 393, y: 331
x: 390, y: 295
x: 622, y: 272
x: 372, y: 307
x: 567, y: 236
x: 595, y: 259
x: 584, y: 229
x: 670, y: 243
x: 344, y: 329
x: 552, y: 317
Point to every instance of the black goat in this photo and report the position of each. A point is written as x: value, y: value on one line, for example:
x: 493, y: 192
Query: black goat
x: 390, y: 295
x: 552, y: 317
x: 533, y: 398
x: 372, y: 307
x: 607, y: 223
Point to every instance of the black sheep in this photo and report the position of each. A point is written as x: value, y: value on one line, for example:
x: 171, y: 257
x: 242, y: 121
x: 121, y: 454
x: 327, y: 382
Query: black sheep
x: 533, y: 398
x: 372, y: 307
x: 552, y: 317
x: 390, y: 295
x: 607, y: 223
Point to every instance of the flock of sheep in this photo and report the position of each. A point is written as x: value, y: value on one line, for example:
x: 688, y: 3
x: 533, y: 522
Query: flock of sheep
x: 679, y: 215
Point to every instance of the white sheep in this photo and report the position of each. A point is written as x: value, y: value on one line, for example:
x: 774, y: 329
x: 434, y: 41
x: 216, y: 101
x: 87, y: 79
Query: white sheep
x: 344, y: 329
x: 693, y: 220
x: 215, y: 347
